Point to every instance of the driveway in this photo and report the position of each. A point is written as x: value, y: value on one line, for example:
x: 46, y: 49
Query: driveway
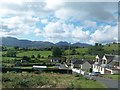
x: 109, y: 82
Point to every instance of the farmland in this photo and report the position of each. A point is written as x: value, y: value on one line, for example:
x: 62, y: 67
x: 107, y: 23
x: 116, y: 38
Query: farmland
x: 35, y: 53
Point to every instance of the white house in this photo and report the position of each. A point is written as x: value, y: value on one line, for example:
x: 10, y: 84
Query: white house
x: 107, y: 64
x: 55, y: 60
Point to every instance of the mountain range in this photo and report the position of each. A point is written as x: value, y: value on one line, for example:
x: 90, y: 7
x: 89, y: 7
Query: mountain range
x: 12, y: 41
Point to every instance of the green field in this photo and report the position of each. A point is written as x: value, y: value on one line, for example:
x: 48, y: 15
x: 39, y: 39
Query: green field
x: 9, y: 59
x: 114, y: 77
x: 2, y: 53
x: 35, y: 53
x: 111, y: 47
x: 80, y: 50
x: 47, y: 80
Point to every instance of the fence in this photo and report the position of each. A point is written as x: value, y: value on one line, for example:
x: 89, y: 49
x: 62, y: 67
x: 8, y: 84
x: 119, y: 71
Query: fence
x: 78, y: 71
x: 19, y: 70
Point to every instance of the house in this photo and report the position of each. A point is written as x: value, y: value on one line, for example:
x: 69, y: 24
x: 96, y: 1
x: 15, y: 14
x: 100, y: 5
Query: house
x: 107, y: 64
x: 82, y: 64
x: 22, y: 61
x: 55, y: 60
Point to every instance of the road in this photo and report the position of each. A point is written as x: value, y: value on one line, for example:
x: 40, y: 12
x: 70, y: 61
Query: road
x: 109, y: 82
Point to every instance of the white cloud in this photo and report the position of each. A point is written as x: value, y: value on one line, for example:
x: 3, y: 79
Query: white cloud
x: 57, y: 31
x: 44, y: 21
x: 37, y: 32
x: 80, y: 35
x: 89, y: 10
x: 54, y: 4
x: 64, y: 13
x: 105, y: 34
x: 17, y: 25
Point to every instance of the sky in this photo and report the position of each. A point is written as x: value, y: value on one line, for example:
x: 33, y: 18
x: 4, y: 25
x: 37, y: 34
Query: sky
x: 60, y: 20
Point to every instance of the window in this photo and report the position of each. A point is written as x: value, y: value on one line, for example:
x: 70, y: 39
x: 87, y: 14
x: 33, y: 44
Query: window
x: 97, y: 60
x: 104, y: 61
x: 101, y: 68
x: 97, y: 67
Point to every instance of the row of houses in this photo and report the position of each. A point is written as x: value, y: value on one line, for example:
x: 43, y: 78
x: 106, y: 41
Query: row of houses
x: 106, y: 64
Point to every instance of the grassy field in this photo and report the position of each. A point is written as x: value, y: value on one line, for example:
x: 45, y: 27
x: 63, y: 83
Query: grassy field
x: 114, y: 77
x: 87, y: 57
x: 35, y: 53
x: 111, y: 47
x: 80, y: 50
x: 47, y: 80
x: 9, y: 59
x: 2, y: 53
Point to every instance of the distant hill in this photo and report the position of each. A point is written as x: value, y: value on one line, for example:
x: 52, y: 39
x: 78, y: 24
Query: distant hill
x: 62, y: 43
x: 80, y: 44
x: 11, y: 41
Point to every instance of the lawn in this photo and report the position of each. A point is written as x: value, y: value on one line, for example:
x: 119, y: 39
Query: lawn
x: 114, y: 77
x: 47, y: 80
x: 35, y: 53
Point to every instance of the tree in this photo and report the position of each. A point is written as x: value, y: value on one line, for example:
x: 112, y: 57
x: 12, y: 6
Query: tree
x: 32, y: 56
x: 49, y: 56
x: 96, y: 50
x: 11, y: 53
x: 96, y: 44
x: 56, y: 52
x: 38, y: 56
x: 3, y: 48
x: 26, y: 58
x: 73, y: 52
x: 16, y: 47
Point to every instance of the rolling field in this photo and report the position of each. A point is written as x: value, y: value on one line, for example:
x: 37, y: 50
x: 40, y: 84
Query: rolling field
x: 80, y: 50
x: 35, y: 53
x: 111, y: 47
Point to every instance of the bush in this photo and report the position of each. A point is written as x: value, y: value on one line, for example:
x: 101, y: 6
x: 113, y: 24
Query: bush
x: 6, y: 79
x: 21, y: 83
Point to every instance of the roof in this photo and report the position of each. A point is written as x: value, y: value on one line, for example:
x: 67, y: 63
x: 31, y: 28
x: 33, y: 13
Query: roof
x: 75, y: 61
x: 78, y: 61
x: 116, y: 58
x: 90, y: 61
x: 56, y: 59
x: 109, y: 57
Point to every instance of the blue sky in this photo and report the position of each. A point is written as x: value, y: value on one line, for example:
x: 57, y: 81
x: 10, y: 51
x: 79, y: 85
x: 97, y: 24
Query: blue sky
x: 55, y: 21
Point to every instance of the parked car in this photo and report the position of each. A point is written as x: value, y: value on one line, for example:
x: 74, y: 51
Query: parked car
x: 90, y: 77
x: 95, y: 74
